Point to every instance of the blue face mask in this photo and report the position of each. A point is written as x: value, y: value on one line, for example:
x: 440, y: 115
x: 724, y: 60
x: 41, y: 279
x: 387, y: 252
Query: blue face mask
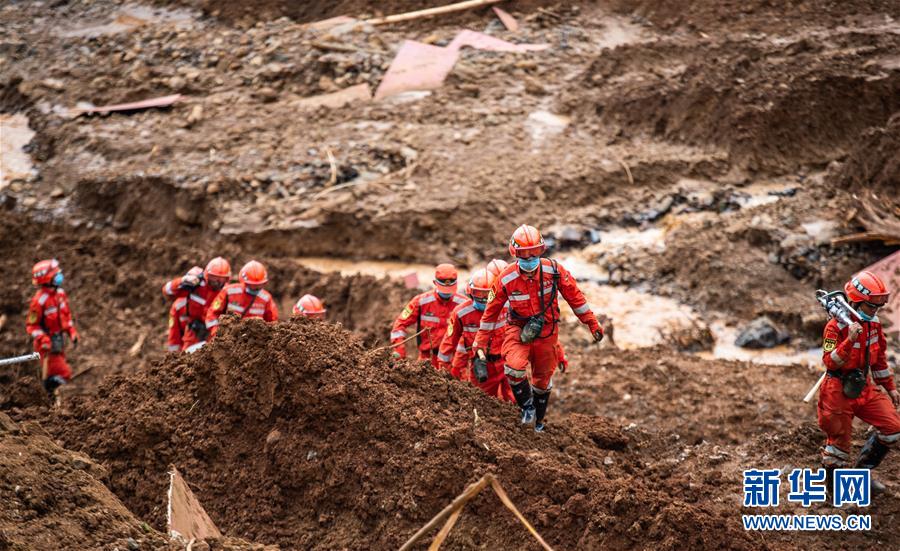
x: 57, y: 279
x: 529, y: 264
x: 252, y: 292
x: 445, y: 296
x: 864, y: 316
x: 480, y: 306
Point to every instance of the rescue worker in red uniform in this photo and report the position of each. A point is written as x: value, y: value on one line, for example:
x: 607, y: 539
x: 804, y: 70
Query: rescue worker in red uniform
x: 310, y: 306
x: 532, y: 287
x: 494, y: 268
x: 48, y: 323
x: 428, y: 313
x: 246, y: 299
x: 855, y: 350
x: 193, y: 294
x: 456, y: 349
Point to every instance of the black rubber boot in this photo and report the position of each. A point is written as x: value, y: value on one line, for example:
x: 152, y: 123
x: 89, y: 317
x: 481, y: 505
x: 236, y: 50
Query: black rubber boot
x: 872, y: 453
x: 52, y: 383
x: 541, y: 400
x: 522, y: 393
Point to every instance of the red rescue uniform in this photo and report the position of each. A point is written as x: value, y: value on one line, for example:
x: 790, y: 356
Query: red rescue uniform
x: 523, y: 291
x: 835, y: 410
x: 234, y: 299
x: 456, y: 350
x: 189, y: 311
x: 50, y: 317
x: 430, y: 312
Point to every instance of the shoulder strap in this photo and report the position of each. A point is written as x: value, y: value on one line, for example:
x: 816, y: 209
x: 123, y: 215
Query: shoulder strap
x: 866, y: 368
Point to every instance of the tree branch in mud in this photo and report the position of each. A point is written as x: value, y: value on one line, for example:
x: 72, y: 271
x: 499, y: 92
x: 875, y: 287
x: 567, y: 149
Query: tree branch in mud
x: 881, y: 221
x: 419, y: 14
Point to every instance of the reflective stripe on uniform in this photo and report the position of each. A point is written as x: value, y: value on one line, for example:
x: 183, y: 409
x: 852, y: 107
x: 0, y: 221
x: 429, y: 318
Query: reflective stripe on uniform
x: 509, y: 277
x: 519, y: 298
x: 429, y: 317
x: 169, y: 290
x: 485, y: 326
x: 51, y: 310
x: 517, y: 373
x: 837, y: 359
x: 183, y: 319
x: 427, y: 300
x: 461, y: 348
x: 873, y: 340
x: 470, y: 328
x: 180, y: 303
x: 174, y: 348
x: 42, y: 299
x: 235, y: 308
x: 212, y: 323
x: 465, y: 311
x: 264, y: 296
x: 198, y: 299
x: 256, y: 311
x: 889, y: 438
x: 841, y: 325
x: 458, y: 299
x: 831, y: 450
x: 881, y: 373
x: 583, y: 309
x: 234, y: 290
x: 548, y: 267
x: 443, y: 357
x: 398, y: 334
x: 36, y: 333
x: 857, y: 346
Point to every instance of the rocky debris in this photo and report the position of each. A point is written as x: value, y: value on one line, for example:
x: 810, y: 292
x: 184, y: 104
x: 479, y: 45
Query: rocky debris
x: 761, y: 333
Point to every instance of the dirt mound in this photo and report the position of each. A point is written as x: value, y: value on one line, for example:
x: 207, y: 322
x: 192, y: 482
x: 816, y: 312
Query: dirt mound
x: 332, y: 448
x: 874, y: 164
x: 773, y: 104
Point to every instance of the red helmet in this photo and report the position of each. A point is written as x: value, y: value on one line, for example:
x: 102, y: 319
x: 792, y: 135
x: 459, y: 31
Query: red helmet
x: 526, y: 242
x: 218, y: 267
x: 309, y: 306
x: 445, y: 278
x: 867, y: 287
x: 480, y: 285
x: 43, y: 272
x: 496, y: 266
x: 254, y: 273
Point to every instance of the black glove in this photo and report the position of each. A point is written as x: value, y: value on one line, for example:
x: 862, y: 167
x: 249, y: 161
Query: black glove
x: 189, y: 282
x: 479, y: 366
x: 598, y: 335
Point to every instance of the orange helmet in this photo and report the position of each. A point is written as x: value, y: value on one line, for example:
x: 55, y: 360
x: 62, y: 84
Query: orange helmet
x: 445, y: 278
x: 310, y: 306
x: 43, y: 272
x: 253, y: 273
x: 867, y: 287
x: 526, y: 242
x: 496, y: 266
x: 218, y: 267
x: 480, y: 285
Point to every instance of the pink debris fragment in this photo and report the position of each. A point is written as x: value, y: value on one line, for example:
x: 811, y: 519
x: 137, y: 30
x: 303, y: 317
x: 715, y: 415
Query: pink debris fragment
x: 164, y: 101
x: 411, y: 280
x: 482, y: 41
x: 508, y: 21
x: 888, y: 269
x: 417, y: 66
x: 360, y: 92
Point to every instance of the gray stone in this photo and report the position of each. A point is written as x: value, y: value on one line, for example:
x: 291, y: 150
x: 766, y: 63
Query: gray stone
x: 761, y: 333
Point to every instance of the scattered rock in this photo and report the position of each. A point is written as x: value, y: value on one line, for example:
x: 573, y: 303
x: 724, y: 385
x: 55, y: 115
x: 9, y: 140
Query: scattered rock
x: 761, y: 333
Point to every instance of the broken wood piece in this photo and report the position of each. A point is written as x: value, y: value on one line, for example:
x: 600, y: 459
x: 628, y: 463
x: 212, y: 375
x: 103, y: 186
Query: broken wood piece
x: 419, y: 14
x: 164, y: 101
x: 508, y: 20
x: 136, y: 347
x: 498, y: 489
x: 81, y: 372
x: 332, y: 46
x: 3, y: 319
x: 457, y: 503
x: 333, y: 166
x: 445, y: 530
x: 333, y: 100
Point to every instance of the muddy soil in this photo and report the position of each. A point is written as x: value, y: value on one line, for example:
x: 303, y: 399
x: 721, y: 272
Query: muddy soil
x: 727, y: 143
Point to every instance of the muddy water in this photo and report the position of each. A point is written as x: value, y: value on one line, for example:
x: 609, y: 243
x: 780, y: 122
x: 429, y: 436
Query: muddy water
x: 15, y: 164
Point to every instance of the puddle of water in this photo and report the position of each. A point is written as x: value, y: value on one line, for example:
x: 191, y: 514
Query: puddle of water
x: 15, y: 164
x: 544, y: 124
x: 376, y: 268
x: 130, y: 17
x: 725, y: 349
